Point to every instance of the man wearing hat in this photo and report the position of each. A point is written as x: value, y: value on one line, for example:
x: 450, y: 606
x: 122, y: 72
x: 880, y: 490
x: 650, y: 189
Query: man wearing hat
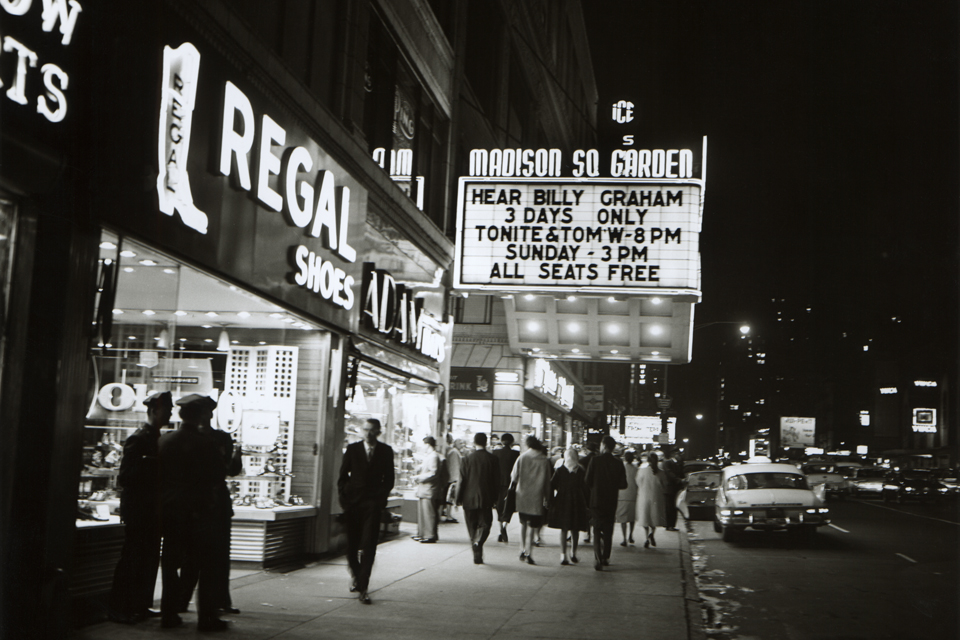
x: 139, y: 478
x: 190, y: 469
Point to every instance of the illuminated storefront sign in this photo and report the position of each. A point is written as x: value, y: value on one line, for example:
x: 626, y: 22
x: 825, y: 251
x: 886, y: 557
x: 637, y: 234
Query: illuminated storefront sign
x: 51, y: 101
x: 797, y: 432
x: 924, y: 383
x: 607, y: 236
x: 888, y: 391
x: 289, y: 179
x: 542, y: 378
x: 391, y: 309
x: 925, y: 420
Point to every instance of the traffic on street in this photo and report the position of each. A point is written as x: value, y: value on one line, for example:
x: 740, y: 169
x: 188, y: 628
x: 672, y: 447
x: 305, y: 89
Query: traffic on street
x: 878, y: 570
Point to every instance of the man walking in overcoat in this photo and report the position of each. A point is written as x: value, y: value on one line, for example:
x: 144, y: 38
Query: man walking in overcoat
x: 477, y: 492
x: 605, y: 478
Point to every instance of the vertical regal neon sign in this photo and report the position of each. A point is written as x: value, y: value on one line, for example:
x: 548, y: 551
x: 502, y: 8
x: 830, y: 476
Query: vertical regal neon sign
x: 181, y: 69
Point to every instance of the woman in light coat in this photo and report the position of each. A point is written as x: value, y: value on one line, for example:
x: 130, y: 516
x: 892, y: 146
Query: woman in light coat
x: 651, y: 485
x: 627, y: 500
x: 531, y: 478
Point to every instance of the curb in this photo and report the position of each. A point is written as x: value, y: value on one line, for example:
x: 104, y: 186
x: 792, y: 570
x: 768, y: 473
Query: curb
x: 691, y: 595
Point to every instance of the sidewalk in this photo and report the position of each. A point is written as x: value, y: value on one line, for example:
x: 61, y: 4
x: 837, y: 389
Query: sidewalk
x: 434, y: 591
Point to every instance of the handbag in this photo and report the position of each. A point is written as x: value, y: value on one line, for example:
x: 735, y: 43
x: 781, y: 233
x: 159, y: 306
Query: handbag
x: 510, y: 500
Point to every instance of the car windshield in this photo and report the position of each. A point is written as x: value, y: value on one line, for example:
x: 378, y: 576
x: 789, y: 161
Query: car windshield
x: 818, y: 468
x: 767, y: 480
x: 703, y: 480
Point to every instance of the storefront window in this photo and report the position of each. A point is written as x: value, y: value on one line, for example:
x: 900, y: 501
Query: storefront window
x: 405, y: 407
x: 470, y: 417
x: 165, y: 326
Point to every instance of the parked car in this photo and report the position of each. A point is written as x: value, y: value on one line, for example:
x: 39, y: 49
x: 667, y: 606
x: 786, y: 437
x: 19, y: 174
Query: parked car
x: 867, y: 482
x: 693, y: 466
x: 829, y: 476
x: 697, y: 498
x: 768, y: 496
x: 913, y: 484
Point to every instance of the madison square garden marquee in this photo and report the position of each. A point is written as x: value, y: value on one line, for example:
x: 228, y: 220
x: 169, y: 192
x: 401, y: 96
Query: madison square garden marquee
x: 599, y: 264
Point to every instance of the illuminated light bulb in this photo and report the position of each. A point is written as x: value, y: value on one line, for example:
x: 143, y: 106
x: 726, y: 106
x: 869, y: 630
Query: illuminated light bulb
x: 614, y: 351
x: 212, y: 314
x: 243, y: 314
x: 128, y: 254
x: 529, y: 296
x: 573, y: 326
x: 107, y: 245
x: 655, y: 300
x: 180, y: 313
x: 148, y: 263
x: 614, y: 329
x: 169, y: 270
x: 118, y: 312
x: 128, y: 269
x: 149, y: 312
x: 656, y: 329
x: 575, y: 350
x: 533, y: 325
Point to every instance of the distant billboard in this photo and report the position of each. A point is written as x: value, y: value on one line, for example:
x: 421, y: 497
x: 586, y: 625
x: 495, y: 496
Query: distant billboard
x: 798, y: 432
x: 645, y: 429
x: 924, y: 420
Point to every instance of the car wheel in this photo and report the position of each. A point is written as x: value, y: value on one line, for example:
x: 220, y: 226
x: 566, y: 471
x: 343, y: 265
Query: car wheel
x: 730, y: 534
x: 900, y: 498
x: 809, y: 535
x: 886, y: 497
x: 716, y: 527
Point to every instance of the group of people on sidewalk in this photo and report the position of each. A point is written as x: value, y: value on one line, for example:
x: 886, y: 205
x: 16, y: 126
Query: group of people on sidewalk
x: 574, y: 495
x: 175, y: 493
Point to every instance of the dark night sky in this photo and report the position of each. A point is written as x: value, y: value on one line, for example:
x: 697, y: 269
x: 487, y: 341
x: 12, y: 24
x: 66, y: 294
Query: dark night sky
x: 833, y: 147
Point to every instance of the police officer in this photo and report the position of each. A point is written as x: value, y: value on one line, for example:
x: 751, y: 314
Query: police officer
x: 139, y: 478
x: 191, y: 468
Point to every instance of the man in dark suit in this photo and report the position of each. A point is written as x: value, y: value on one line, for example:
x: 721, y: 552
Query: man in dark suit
x: 605, y: 478
x: 507, y: 456
x: 136, y: 574
x: 191, y: 468
x: 365, y: 483
x: 477, y: 492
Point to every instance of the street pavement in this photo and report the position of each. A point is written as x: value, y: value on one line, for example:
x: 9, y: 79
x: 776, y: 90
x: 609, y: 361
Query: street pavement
x: 435, y: 591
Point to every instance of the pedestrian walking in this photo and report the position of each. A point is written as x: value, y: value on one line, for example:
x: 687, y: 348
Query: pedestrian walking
x: 453, y: 457
x: 673, y: 472
x: 605, y: 478
x: 365, y: 482
x: 507, y: 456
x: 651, y: 482
x: 591, y: 448
x: 627, y: 500
x: 131, y: 596
x: 191, y: 468
x: 428, y: 492
x: 568, y: 506
x: 531, y: 480
x: 478, y: 488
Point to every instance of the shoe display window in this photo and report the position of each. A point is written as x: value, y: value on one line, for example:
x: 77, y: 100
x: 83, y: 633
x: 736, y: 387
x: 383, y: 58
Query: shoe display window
x: 161, y: 325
